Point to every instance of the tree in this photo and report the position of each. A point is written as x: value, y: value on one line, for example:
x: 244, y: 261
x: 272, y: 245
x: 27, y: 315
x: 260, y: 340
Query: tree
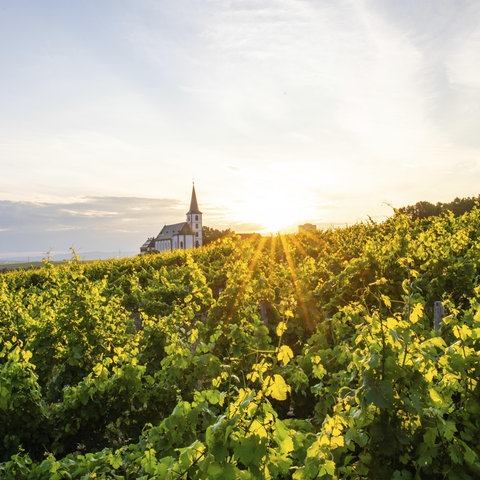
x: 425, y: 209
x: 212, y: 234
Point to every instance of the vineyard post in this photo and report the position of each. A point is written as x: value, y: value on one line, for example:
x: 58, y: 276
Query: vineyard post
x: 438, y: 314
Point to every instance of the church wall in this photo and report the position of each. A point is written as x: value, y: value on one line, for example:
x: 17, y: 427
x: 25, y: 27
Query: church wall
x: 163, y: 245
x: 177, y: 241
x: 189, y: 241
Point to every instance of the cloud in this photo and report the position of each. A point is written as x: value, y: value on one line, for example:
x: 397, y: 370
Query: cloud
x: 446, y: 36
x: 94, y: 224
x: 375, y: 98
x: 89, y: 223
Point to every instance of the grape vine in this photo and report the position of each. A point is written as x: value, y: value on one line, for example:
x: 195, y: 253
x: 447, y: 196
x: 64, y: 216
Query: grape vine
x: 309, y: 356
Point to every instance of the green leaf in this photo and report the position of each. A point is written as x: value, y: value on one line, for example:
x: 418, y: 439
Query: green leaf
x: 416, y: 313
x: 436, y: 397
x: 281, y: 329
x: 329, y: 466
x: 470, y: 456
x: 250, y: 450
x: 386, y: 301
x: 379, y: 393
x: 216, y: 440
x: 448, y: 430
x: 149, y: 461
x: 284, y: 354
x: 277, y: 388
x: 115, y: 461
x: 283, y: 438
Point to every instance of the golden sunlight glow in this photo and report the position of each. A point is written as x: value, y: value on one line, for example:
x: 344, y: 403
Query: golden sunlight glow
x: 274, y: 209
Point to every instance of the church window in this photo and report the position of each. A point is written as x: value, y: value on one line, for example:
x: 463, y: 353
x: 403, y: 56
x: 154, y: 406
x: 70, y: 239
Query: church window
x: 181, y: 244
x: 196, y: 226
x: 196, y: 218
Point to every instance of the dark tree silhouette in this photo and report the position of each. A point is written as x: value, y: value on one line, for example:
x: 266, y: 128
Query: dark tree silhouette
x: 425, y: 209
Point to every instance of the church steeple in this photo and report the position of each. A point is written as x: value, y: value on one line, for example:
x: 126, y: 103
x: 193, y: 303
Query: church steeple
x: 194, y: 219
x: 194, y: 203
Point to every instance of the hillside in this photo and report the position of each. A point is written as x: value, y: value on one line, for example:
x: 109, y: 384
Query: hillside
x: 300, y: 356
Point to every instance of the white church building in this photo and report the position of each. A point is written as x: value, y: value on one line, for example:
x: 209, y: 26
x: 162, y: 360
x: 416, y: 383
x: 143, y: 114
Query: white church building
x: 182, y: 235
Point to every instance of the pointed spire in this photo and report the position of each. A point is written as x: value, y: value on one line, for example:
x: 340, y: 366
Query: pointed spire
x: 193, y: 202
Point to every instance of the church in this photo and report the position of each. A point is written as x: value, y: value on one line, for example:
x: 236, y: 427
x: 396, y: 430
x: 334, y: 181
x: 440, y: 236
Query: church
x: 182, y: 235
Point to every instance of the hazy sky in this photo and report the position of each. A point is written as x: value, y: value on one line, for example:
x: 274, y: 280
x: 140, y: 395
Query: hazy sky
x: 324, y: 111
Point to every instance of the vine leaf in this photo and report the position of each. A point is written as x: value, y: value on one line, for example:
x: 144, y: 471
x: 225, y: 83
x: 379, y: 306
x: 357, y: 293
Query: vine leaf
x: 281, y: 329
x: 378, y: 392
x: 284, y: 354
x: 277, y: 387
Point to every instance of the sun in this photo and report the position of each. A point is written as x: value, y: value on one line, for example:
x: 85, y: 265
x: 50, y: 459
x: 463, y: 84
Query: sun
x: 275, y: 209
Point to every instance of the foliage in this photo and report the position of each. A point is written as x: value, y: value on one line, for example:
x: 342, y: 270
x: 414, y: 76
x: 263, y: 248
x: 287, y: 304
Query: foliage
x: 210, y: 234
x: 303, y: 356
x: 425, y: 209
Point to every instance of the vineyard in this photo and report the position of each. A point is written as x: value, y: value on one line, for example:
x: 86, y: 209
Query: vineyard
x: 309, y: 356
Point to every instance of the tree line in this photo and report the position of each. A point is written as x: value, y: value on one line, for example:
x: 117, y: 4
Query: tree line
x: 424, y: 209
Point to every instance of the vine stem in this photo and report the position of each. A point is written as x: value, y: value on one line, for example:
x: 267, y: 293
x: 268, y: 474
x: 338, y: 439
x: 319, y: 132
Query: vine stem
x: 382, y: 332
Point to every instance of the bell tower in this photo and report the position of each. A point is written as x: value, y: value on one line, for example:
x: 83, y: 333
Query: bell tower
x: 194, y: 219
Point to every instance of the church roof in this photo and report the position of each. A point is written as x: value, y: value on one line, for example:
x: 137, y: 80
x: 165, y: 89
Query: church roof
x: 194, y: 203
x: 148, y: 245
x: 169, y: 231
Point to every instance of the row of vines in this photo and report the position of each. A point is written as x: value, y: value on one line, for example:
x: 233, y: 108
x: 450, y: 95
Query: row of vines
x: 300, y: 356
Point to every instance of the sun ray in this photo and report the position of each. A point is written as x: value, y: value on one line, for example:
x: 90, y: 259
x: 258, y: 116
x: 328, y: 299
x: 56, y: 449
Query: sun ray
x: 298, y: 245
x: 251, y: 264
x: 296, y: 283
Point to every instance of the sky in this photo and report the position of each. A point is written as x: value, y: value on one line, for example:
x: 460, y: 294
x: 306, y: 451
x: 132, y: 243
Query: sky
x: 281, y: 111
